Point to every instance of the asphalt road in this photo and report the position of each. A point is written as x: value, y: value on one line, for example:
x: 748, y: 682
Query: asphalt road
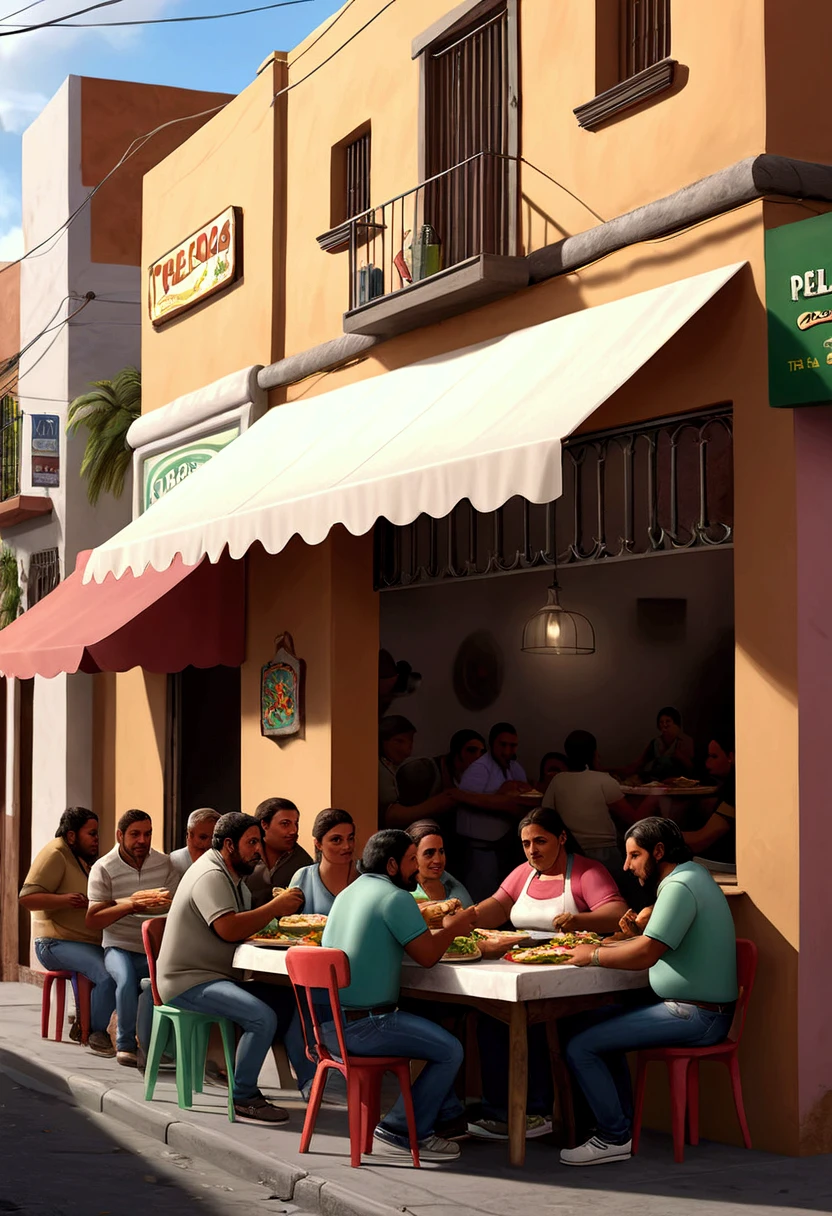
x: 59, y: 1160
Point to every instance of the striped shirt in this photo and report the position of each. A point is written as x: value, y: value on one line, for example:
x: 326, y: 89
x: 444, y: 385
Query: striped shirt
x: 112, y: 879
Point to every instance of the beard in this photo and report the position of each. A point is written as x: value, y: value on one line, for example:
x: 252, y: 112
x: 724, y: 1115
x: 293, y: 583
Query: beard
x: 406, y: 884
x: 243, y: 868
x: 650, y: 882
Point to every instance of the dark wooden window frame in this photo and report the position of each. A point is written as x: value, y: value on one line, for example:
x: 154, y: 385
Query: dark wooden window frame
x: 44, y: 575
x: 456, y: 23
x: 337, y: 237
x: 618, y: 88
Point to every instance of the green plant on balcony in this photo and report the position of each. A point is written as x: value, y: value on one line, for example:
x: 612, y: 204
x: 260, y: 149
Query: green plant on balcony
x: 9, y: 587
x: 107, y: 411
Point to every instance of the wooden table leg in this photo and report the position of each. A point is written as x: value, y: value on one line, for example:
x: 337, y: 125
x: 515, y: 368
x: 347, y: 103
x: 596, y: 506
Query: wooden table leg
x: 563, y: 1116
x: 518, y: 1083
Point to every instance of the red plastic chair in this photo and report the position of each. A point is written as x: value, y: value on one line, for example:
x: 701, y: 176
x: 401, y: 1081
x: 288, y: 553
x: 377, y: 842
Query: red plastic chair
x: 82, y: 988
x: 315, y: 967
x: 683, y: 1066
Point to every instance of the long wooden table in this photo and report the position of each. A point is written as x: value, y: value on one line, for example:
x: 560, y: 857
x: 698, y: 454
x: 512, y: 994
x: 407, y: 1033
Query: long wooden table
x: 514, y: 994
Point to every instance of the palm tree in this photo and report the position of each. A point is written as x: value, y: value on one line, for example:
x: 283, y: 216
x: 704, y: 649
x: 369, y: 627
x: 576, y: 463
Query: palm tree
x: 108, y: 413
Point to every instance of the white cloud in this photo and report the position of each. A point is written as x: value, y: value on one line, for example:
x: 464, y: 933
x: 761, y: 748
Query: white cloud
x: 11, y: 245
x: 18, y: 109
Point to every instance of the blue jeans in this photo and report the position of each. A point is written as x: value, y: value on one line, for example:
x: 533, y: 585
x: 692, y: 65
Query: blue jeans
x: 598, y: 1061
x: 128, y: 968
x: 263, y: 1011
x: 88, y: 960
x: 492, y: 1039
x: 406, y: 1034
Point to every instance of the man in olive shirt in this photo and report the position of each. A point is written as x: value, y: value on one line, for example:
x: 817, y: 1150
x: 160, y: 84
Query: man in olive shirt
x: 689, y: 946
x: 210, y: 915
x: 281, y: 855
x: 55, y: 892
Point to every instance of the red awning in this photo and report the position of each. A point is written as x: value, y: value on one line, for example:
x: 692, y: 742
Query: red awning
x: 163, y: 622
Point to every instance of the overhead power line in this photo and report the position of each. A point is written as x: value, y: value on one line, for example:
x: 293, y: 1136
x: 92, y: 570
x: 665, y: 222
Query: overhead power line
x: 18, y: 11
x: 42, y: 25
x: 63, y: 23
x: 337, y: 51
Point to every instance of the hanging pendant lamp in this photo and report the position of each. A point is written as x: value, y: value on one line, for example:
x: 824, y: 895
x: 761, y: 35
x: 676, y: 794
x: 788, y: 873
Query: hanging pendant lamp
x: 553, y: 630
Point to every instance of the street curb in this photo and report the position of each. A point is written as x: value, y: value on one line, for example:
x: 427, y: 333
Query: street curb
x: 286, y: 1180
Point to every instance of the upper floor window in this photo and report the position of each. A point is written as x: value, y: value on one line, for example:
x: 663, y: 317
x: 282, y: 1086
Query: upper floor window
x: 349, y: 187
x: 357, y: 175
x: 644, y: 34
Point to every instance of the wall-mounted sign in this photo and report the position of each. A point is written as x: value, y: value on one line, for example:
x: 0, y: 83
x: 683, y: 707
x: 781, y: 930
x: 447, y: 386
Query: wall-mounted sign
x: 282, y: 692
x: 46, y: 451
x: 164, y: 471
x: 799, y: 303
x: 204, y: 263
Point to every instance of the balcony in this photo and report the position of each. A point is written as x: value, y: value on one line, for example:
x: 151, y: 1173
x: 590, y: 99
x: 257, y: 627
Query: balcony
x: 15, y: 508
x: 438, y: 250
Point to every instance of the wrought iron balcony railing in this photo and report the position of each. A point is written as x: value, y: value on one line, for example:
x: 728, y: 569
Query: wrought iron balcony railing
x: 459, y: 214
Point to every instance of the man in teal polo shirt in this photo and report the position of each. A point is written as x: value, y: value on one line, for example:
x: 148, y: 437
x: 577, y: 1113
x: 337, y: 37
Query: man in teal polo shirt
x: 690, y: 947
x: 374, y: 921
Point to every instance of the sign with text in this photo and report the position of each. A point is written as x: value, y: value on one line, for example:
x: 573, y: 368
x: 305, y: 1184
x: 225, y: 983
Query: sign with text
x: 166, y: 470
x: 799, y: 304
x: 46, y: 452
x: 204, y: 263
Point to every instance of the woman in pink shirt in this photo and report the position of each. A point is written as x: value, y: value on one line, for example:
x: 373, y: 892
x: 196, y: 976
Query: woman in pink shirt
x: 553, y: 891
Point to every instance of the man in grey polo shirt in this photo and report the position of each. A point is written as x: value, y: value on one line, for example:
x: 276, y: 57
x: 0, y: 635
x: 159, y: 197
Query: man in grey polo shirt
x: 210, y: 914
x: 126, y: 886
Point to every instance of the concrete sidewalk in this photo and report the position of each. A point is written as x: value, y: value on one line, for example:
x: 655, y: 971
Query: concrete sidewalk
x: 714, y: 1178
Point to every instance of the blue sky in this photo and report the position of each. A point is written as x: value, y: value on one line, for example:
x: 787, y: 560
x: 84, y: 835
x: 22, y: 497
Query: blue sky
x: 220, y: 55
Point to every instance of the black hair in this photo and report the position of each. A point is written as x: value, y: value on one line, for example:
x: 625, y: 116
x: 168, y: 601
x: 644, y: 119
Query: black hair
x: 267, y: 810
x: 379, y: 849
x: 461, y: 739
x: 580, y: 748
x: 130, y: 817
x: 331, y: 818
x: 422, y: 828
x: 559, y: 756
x: 723, y: 735
x: 546, y: 817
x: 647, y: 833
x: 233, y: 827
x: 669, y: 712
x: 500, y: 728
x: 73, y: 819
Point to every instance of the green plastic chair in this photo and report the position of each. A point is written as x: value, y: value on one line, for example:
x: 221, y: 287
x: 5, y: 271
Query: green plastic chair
x: 191, y: 1032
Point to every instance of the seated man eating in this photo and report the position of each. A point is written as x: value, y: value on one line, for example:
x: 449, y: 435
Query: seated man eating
x: 689, y: 946
x: 374, y: 921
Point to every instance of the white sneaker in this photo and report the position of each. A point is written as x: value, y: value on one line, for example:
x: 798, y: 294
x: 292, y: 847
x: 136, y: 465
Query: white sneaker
x: 596, y: 1152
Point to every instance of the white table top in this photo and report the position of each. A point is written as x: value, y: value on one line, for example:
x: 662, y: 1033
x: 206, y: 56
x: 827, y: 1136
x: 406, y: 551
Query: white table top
x: 496, y: 981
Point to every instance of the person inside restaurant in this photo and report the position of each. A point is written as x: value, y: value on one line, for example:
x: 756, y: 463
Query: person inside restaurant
x: 491, y: 790
x: 396, y: 735
x: 587, y: 800
x: 198, y: 840
x: 334, y: 835
x: 415, y: 781
x: 375, y: 921
x: 551, y: 764
x: 55, y: 892
x: 669, y: 754
x: 281, y: 855
x: 716, y: 840
x: 689, y: 947
x: 126, y: 886
x: 466, y: 746
x: 210, y: 915
x: 553, y: 890
x: 435, y: 883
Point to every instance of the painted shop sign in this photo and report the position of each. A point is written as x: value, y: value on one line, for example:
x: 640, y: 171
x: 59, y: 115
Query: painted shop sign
x: 46, y: 453
x: 799, y: 304
x: 204, y: 263
x: 166, y: 470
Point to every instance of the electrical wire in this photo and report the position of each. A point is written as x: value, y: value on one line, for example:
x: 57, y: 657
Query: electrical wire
x: 341, y: 12
x: 337, y: 51
x: 63, y: 23
x: 25, y: 9
x: 29, y: 29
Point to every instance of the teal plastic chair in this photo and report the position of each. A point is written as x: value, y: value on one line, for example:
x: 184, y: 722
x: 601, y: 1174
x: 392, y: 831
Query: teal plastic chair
x: 190, y: 1030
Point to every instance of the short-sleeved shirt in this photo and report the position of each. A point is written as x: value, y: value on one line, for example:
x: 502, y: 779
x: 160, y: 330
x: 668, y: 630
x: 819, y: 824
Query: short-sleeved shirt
x: 582, y: 800
x: 112, y: 878
x: 262, y: 880
x: 691, y: 916
x: 453, y: 890
x: 192, y: 951
x: 317, y: 897
x: 181, y: 859
x: 592, y: 885
x: 725, y: 849
x: 485, y: 776
x: 372, y: 922
x: 57, y: 871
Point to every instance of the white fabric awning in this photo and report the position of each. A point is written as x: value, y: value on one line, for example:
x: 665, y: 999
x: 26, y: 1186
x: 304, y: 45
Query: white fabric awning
x: 483, y: 423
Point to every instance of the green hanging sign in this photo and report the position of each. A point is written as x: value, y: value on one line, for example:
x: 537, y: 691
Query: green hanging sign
x: 799, y: 304
x: 165, y: 471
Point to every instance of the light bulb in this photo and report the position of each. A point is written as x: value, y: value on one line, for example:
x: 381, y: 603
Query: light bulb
x: 553, y: 630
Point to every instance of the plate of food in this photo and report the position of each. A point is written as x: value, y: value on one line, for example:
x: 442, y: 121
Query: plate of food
x: 435, y: 910
x: 581, y: 938
x: 301, y: 923
x: 462, y: 950
x: 550, y: 954
x: 273, y: 936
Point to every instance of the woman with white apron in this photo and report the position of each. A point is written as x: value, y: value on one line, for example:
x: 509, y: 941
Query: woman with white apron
x: 553, y: 891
